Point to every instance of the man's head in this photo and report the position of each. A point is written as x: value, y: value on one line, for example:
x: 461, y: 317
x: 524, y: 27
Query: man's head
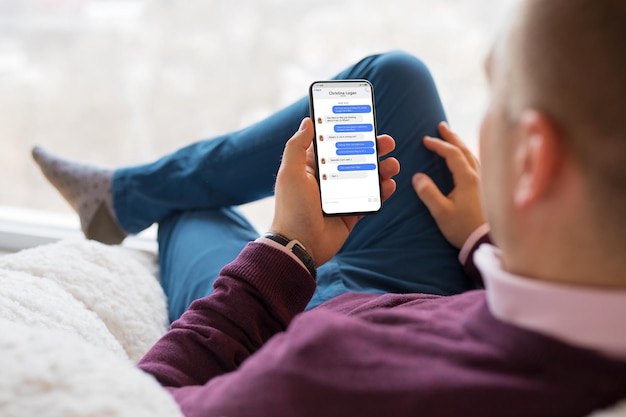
x: 554, y: 138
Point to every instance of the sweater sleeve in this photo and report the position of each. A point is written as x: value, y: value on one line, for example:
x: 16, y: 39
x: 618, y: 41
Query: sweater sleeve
x: 255, y: 297
x: 466, y: 256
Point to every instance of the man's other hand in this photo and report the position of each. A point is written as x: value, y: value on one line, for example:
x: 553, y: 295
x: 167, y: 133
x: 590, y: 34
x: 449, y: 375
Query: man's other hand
x: 459, y: 213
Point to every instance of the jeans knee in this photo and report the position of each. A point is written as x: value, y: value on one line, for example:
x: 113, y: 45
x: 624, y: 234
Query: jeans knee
x: 400, y: 66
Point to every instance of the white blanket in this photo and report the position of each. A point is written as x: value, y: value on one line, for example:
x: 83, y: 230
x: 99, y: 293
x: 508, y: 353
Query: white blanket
x: 74, y: 318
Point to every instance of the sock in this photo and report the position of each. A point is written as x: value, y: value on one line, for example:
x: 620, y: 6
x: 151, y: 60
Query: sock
x: 88, y: 190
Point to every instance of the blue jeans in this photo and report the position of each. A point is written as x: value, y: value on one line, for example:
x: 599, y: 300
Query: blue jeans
x: 193, y: 193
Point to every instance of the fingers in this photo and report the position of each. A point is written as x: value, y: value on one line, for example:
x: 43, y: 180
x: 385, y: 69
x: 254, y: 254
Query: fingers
x: 385, y: 144
x: 462, y: 170
x: 429, y: 193
x: 310, y: 159
x: 449, y: 136
x: 295, y: 154
x: 455, y: 159
x: 387, y: 188
x: 388, y: 168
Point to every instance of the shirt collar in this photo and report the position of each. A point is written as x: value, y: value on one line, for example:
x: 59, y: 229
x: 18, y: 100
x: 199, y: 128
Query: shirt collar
x: 586, y: 317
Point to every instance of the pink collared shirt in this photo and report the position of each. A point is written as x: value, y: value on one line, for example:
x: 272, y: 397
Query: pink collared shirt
x: 591, y: 318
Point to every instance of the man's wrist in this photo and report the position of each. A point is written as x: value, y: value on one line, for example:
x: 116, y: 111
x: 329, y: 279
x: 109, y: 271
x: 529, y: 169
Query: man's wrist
x: 294, y: 247
x: 471, y: 240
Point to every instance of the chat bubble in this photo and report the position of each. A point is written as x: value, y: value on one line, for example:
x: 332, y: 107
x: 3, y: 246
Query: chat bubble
x: 354, y: 136
x: 346, y: 159
x: 363, y: 127
x: 353, y: 144
x: 354, y: 151
x: 352, y: 109
x: 356, y: 167
x: 348, y: 175
x: 346, y: 118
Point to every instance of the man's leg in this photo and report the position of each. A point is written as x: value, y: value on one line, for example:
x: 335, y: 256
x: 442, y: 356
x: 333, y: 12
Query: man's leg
x: 229, y: 170
x: 193, y: 247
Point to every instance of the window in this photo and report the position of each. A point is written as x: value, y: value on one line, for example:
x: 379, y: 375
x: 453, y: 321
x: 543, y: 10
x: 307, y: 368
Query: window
x: 120, y: 82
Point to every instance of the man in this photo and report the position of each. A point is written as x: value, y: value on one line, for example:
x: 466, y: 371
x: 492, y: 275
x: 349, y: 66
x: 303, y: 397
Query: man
x: 546, y: 337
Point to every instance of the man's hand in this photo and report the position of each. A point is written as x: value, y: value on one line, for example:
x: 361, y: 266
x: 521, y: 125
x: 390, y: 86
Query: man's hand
x: 298, y: 209
x: 459, y: 213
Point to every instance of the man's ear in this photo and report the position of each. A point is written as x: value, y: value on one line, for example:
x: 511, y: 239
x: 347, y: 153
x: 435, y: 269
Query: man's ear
x: 538, y: 158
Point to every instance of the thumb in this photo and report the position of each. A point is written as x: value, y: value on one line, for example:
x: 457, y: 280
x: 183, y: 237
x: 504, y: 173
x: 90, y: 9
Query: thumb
x: 429, y: 193
x: 296, y: 147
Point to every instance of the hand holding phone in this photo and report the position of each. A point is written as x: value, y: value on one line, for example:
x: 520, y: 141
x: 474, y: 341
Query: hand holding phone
x: 297, y: 213
x: 345, y: 146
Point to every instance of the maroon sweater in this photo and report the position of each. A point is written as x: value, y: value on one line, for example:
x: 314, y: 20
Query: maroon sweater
x: 243, y: 352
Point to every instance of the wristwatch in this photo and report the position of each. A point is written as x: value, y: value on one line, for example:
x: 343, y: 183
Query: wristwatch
x: 296, y: 248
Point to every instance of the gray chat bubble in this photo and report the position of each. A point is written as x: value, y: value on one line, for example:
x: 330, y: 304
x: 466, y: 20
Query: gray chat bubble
x: 346, y: 159
x: 344, y: 137
x: 344, y: 118
x: 347, y: 175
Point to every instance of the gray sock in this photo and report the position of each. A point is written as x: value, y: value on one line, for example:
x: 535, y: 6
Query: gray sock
x: 88, y: 190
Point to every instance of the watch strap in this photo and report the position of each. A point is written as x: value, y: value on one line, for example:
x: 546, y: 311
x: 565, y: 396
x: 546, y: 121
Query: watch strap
x: 296, y: 248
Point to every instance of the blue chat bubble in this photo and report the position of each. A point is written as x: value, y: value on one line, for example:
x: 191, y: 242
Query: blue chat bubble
x: 352, y: 109
x: 364, y: 144
x: 355, y: 151
x: 356, y: 167
x: 361, y: 127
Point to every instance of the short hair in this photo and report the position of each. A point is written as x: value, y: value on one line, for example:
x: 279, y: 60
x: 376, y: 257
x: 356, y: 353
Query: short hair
x: 571, y: 58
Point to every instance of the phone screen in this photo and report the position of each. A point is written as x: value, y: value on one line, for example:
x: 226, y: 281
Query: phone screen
x: 345, y: 146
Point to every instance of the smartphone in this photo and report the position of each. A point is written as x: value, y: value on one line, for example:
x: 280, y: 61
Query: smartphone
x: 345, y: 146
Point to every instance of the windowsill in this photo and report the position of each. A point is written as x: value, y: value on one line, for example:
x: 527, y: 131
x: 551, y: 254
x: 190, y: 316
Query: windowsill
x: 22, y: 228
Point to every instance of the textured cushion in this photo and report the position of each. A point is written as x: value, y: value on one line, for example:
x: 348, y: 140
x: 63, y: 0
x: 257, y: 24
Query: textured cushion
x: 74, y: 317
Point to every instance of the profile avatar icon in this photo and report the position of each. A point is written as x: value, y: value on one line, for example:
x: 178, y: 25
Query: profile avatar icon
x: 319, y: 120
x: 321, y: 138
x: 324, y: 177
x: 323, y: 161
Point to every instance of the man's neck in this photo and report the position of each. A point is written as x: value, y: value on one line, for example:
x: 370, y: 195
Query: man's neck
x: 571, y: 256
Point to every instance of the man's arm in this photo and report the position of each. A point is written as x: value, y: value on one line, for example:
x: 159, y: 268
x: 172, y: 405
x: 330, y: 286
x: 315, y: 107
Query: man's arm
x: 255, y: 297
